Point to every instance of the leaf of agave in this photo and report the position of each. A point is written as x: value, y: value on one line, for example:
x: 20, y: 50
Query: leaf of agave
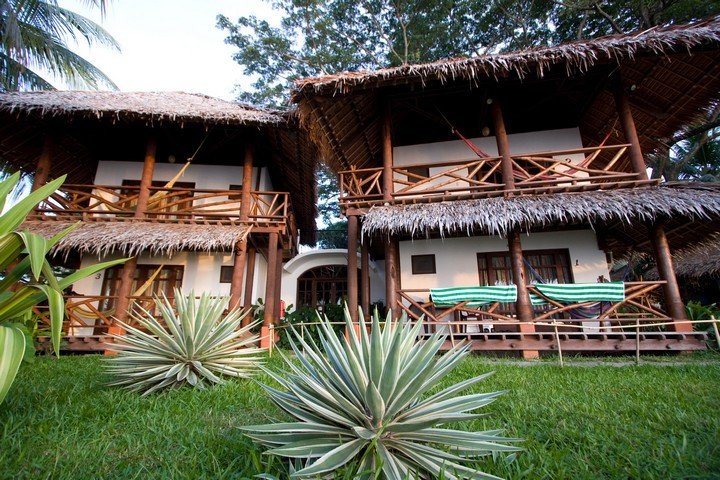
x: 486, y: 435
x: 332, y: 460
x: 375, y: 403
x: 376, y: 352
x: 417, y: 461
x: 37, y: 247
x: 451, y: 405
x: 56, y: 304
x: 391, y: 369
x: 295, y: 427
x: 311, y: 448
x: 11, y: 248
x: 12, y: 350
x: 470, y: 446
x: 391, y: 466
x: 458, y: 387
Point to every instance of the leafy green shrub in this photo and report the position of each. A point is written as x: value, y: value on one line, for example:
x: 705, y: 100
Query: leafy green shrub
x: 27, y: 280
x: 365, y: 401
x: 195, y: 346
x: 305, y: 320
x: 698, y: 311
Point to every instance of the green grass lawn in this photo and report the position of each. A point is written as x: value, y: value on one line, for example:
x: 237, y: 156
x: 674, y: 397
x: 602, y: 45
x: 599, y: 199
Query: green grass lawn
x: 651, y: 421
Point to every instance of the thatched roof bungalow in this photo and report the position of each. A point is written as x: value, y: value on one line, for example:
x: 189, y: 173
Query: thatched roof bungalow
x: 88, y: 125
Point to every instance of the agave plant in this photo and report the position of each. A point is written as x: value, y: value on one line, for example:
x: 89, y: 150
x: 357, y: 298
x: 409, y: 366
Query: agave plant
x: 195, y: 346
x: 365, y: 400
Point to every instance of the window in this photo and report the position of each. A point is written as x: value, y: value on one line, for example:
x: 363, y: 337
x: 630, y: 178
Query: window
x: 548, y: 266
x: 237, y: 196
x: 422, y: 264
x: 416, y: 172
x: 170, y: 277
x: 226, y: 274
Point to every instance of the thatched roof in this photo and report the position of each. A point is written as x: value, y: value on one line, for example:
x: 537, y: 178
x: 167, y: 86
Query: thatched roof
x: 575, y: 57
x: 148, y: 107
x: 673, y: 74
x: 132, y: 238
x: 603, y: 210
x: 699, y: 260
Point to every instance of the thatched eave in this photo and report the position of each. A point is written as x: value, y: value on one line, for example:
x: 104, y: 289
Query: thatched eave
x: 599, y: 209
x: 144, y: 107
x: 575, y: 57
x: 132, y: 238
x: 699, y: 260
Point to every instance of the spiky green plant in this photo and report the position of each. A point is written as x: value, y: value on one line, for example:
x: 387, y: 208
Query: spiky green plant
x: 195, y: 344
x: 365, y: 400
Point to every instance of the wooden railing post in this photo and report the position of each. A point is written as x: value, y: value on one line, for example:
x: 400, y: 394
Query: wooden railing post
x: 240, y: 250
x: 523, y: 307
x: 249, y: 280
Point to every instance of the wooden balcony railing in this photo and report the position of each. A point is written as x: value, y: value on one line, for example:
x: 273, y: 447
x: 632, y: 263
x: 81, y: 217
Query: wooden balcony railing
x: 175, y: 205
x: 565, y: 170
x: 641, y: 304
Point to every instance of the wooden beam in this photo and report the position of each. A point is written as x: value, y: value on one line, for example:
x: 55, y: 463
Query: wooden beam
x: 365, y: 280
x: 236, y: 284
x: 503, y: 145
x: 42, y: 171
x: 666, y: 271
x: 278, y: 280
x: 630, y: 132
x: 352, y: 268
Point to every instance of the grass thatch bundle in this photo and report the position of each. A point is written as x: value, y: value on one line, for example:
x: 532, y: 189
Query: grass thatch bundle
x: 132, y: 238
x: 702, y: 259
x: 148, y: 106
x: 576, y: 57
x: 497, y: 216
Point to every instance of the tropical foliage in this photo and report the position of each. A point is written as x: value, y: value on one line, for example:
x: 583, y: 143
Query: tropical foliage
x: 35, y: 37
x: 365, y: 402
x: 28, y: 280
x: 195, y: 346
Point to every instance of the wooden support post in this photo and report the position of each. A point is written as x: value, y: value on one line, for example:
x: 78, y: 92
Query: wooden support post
x: 352, y: 267
x: 278, y: 280
x: 128, y: 272
x: 628, y: 126
x: 391, y: 250
x: 387, y: 155
x: 523, y: 307
x: 42, y: 171
x: 249, y: 277
x: 666, y: 271
x: 365, y: 280
x: 236, y: 284
x: 392, y: 277
x: 270, y: 284
x: 503, y: 145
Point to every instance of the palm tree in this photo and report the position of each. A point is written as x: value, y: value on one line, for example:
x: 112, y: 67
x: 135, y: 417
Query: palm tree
x: 34, y: 36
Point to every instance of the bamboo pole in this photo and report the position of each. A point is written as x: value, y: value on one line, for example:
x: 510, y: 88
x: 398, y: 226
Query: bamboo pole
x: 365, y: 280
x: 236, y: 284
x: 630, y: 132
x: 666, y: 270
x: 352, y: 267
x: 559, y: 347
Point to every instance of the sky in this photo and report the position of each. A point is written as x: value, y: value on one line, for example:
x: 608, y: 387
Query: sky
x: 169, y: 45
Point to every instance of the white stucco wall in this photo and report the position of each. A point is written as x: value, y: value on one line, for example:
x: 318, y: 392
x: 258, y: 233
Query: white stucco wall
x: 201, y: 273
x: 205, y: 177
x: 456, y: 258
x: 293, y: 269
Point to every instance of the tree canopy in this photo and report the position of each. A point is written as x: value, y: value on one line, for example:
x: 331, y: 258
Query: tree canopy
x: 314, y: 37
x: 35, y: 36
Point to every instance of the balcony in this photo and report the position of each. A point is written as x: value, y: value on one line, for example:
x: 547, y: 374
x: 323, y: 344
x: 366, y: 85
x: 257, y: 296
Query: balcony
x: 580, y: 169
x: 636, y: 323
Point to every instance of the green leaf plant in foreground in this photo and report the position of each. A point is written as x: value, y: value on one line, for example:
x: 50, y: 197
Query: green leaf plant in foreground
x: 366, y: 400
x: 23, y: 255
x: 195, y: 346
